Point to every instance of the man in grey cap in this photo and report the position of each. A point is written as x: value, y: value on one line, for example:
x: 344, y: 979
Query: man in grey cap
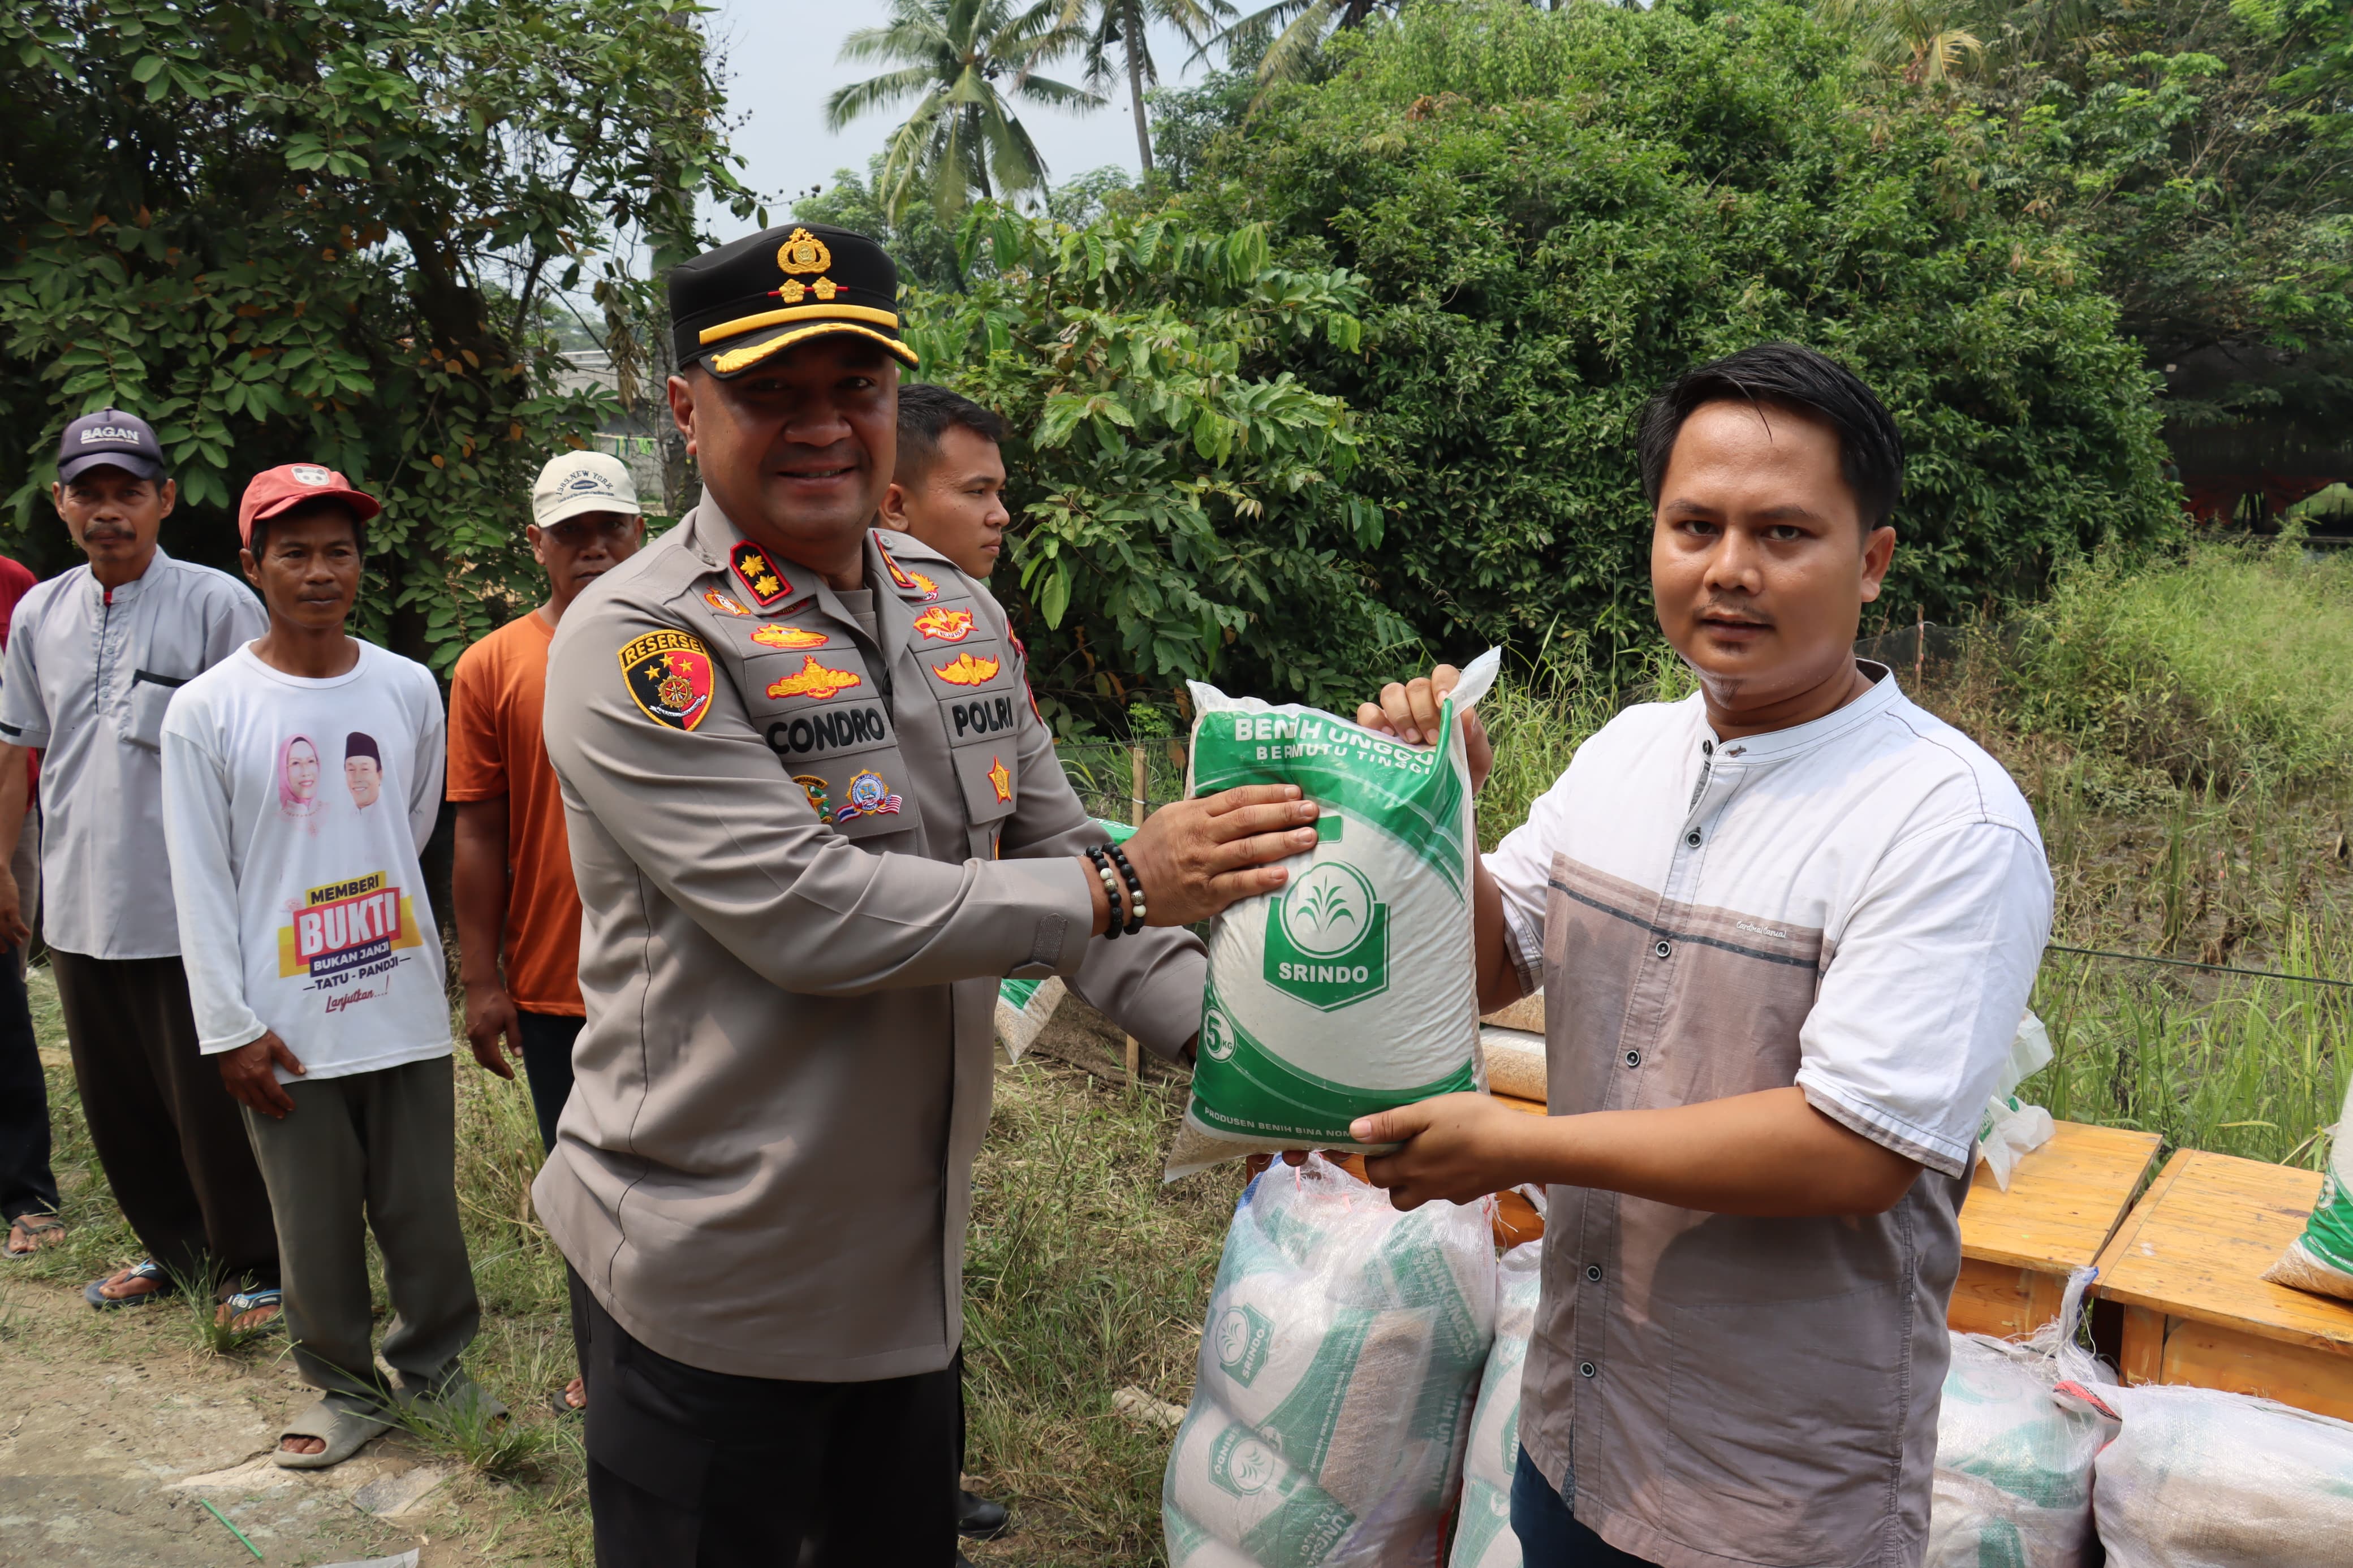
x: 94, y: 655
x: 816, y: 820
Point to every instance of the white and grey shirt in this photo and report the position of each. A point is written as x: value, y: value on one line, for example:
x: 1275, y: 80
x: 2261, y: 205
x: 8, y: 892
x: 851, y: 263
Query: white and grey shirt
x: 1856, y: 907
x: 88, y: 673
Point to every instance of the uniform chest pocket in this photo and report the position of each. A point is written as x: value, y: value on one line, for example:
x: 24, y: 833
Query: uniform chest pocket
x: 986, y: 776
x: 151, y: 694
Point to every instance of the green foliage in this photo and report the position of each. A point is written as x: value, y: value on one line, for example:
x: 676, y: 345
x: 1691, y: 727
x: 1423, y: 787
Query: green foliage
x: 1555, y: 211
x: 2223, y: 666
x: 326, y: 230
x: 1182, y: 505
x: 924, y: 248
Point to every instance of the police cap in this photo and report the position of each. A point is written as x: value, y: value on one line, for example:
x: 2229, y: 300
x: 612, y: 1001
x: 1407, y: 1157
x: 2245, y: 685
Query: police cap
x: 735, y: 306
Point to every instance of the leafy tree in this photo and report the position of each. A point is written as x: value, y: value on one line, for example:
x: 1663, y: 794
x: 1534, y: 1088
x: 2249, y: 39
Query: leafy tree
x: 1125, y: 23
x: 924, y: 250
x: 1553, y: 213
x: 1181, y: 503
x: 1187, y: 120
x: 327, y: 229
x: 962, y: 137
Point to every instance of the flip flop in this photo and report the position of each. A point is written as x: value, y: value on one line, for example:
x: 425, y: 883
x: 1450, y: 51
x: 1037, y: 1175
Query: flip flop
x: 563, y: 1407
x: 244, y: 1301
x: 148, y: 1270
x: 458, y: 1391
x: 337, y: 1421
x: 32, y: 1224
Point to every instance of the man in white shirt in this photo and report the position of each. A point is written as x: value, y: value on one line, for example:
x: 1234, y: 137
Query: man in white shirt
x: 1785, y: 929
x: 94, y: 657
x: 315, y: 964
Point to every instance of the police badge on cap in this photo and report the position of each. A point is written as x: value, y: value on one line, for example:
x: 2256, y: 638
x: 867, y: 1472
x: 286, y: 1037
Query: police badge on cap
x: 744, y: 303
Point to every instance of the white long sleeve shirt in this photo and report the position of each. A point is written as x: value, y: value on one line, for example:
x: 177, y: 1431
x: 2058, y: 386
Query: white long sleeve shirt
x: 295, y: 810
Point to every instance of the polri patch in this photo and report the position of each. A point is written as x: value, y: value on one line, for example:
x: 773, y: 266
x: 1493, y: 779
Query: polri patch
x: 758, y: 574
x: 789, y: 636
x: 723, y: 603
x: 867, y: 797
x: 822, y: 681
x: 669, y: 678
x: 965, y: 670
x: 945, y: 626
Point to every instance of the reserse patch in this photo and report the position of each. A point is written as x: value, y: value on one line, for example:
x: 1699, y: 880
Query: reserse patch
x: 669, y: 678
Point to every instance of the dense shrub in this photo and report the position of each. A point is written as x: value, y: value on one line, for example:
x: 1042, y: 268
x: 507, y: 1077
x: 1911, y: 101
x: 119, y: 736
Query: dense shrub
x: 1554, y: 211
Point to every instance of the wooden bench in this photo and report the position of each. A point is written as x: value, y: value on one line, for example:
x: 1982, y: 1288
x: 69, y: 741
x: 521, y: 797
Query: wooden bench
x: 2065, y: 1200
x: 2187, y: 1267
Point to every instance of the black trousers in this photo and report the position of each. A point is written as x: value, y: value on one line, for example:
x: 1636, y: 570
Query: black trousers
x: 27, y: 1184
x: 1550, y: 1533
x: 546, y: 1039
x: 170, y: 1139
x: 693, y: 1468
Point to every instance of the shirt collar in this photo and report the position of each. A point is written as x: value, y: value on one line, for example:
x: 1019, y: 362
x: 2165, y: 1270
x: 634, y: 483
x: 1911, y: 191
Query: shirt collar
x: 1776, y: 744
x: 129, y: 591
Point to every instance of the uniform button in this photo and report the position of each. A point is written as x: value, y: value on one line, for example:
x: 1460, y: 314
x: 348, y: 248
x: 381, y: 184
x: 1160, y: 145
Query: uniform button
x: 1633, y: 1059
x: 1661, y: 950
x: 1707, y: 748
x: 1691, y: 838
x: 1593, y: 1272
x: 1586, y: 1369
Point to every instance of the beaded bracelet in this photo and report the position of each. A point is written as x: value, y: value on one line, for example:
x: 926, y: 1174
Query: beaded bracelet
x: 1102, y: 864
x: 1135, y: 889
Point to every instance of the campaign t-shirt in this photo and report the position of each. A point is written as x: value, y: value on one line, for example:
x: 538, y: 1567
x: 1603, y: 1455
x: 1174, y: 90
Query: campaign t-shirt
x: 497, y: 752
x: 295, y: 809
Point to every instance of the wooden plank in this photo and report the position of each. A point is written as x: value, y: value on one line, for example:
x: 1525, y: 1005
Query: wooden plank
x: 2195, y: 1246
x: 2208, y: 1356
x: 2066, y: 1199
x: 1991, y: 1298
x: 2141, y: 1359
x: 1533, y: 1107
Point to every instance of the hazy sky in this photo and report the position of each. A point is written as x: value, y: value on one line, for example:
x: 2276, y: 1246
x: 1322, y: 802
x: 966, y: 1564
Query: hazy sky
x: 781, y: 62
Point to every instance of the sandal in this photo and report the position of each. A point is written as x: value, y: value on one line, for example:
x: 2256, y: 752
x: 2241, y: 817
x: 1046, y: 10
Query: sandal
x: 340, y: 1421
x: 270, y: 1299
x: 148, y: 1268
x: 32, y: 1224
x: 457, y: 1393
x: 563, y: 1407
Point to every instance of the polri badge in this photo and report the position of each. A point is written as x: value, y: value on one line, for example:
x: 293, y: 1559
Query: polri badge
x: 868, y: 795
x: 669, y: 678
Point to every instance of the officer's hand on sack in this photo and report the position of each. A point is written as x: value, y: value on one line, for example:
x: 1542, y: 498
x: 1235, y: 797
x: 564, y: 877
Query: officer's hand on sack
x: 248, y: 1071
x: 1409, y: 710
x: 1196, y: 857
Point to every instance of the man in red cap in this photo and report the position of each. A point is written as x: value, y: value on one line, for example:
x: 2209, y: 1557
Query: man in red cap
x: 94, y: 657
x: 315, y: 964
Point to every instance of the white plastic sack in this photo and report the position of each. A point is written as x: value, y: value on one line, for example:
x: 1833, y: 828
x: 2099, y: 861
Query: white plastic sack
x: 2199, y: 1479
x: 2009, y: 1133
x: 1483, y: 1530
x: 2014, y: 1480
x: 1354, y: 989
x: 2321, y: 1259
x: 1336, y: 1370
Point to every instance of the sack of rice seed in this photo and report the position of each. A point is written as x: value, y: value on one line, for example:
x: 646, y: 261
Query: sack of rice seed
x: 1353, y: 989
x: 2013, y: 1480
x: 1482, y: 1530
x: 1343, y: 1346
x: 2321, y: 1259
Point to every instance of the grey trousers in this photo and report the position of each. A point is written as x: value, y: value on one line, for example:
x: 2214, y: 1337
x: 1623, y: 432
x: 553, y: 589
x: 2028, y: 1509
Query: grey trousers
x: 379, y: 1149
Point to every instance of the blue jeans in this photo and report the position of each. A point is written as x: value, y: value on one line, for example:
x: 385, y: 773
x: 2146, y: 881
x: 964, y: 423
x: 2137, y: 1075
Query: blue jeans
x: 547, y: 1063
x: 1549, y: 1535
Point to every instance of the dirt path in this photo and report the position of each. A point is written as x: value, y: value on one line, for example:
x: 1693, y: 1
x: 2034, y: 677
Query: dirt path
x: 114, y: 1430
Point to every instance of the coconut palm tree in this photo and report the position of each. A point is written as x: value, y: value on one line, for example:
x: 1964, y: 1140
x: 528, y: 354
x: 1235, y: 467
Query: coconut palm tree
x: 963, y: 136
x: 1292, y: 33
x: 1123, y: 22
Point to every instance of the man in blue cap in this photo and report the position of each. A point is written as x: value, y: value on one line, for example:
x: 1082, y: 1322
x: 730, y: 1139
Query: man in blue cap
x: 94, y: 656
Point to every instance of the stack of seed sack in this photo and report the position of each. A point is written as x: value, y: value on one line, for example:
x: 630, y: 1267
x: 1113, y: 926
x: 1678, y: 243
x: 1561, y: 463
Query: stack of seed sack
x: 1343, y: 1349
x: 1352, y: 990
x: 1483, y: 1526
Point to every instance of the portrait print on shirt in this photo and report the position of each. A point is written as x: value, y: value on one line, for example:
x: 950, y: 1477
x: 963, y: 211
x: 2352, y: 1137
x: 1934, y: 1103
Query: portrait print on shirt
x: 298, y: 779
x: 341, y: 934
x: 362, y: 769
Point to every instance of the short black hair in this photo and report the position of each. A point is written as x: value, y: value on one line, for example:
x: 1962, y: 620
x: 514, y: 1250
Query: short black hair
x: 925, y: 414
x: 1791, y: 376
x: 324, y: 504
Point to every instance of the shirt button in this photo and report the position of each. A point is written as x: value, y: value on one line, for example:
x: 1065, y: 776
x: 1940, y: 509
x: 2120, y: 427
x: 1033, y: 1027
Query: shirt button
x: 1593, y: 1272
x: 1633, y: 1059
x: 1707, y: 748
x: 1586, y: 1369
x: 1661, y: 951
x: 1691, y: 838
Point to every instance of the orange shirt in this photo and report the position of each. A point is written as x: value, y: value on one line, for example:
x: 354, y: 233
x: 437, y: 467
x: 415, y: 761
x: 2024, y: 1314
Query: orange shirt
x: 495, y: 749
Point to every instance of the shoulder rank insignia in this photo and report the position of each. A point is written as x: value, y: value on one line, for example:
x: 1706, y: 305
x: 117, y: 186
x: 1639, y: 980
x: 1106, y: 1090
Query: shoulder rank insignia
x: 758, y: 574
x: 814, y: 787
x: 669, y: 674
x: 723, y: 603
x: 789, y: 636
x: 965, y: 670
x: 1000, y: 778
x: 945, y: 626
x: 906, y: 581
x: 813, y: 680
x: 867, y: 797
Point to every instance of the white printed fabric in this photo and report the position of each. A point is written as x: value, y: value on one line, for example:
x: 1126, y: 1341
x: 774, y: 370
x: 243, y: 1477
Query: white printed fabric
x: 1336, y: 1372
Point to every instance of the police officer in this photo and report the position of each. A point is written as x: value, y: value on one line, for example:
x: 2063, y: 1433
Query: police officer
x: 814, y: 819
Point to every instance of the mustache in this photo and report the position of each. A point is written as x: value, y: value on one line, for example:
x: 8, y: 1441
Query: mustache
x: 1731, y: 612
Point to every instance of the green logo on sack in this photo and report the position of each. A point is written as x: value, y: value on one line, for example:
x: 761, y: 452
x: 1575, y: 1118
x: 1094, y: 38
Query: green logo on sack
x: 1217, y: 1035
x: 1244, y: 1336
x: 1327, y: 940
x: 1239, y: 1463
